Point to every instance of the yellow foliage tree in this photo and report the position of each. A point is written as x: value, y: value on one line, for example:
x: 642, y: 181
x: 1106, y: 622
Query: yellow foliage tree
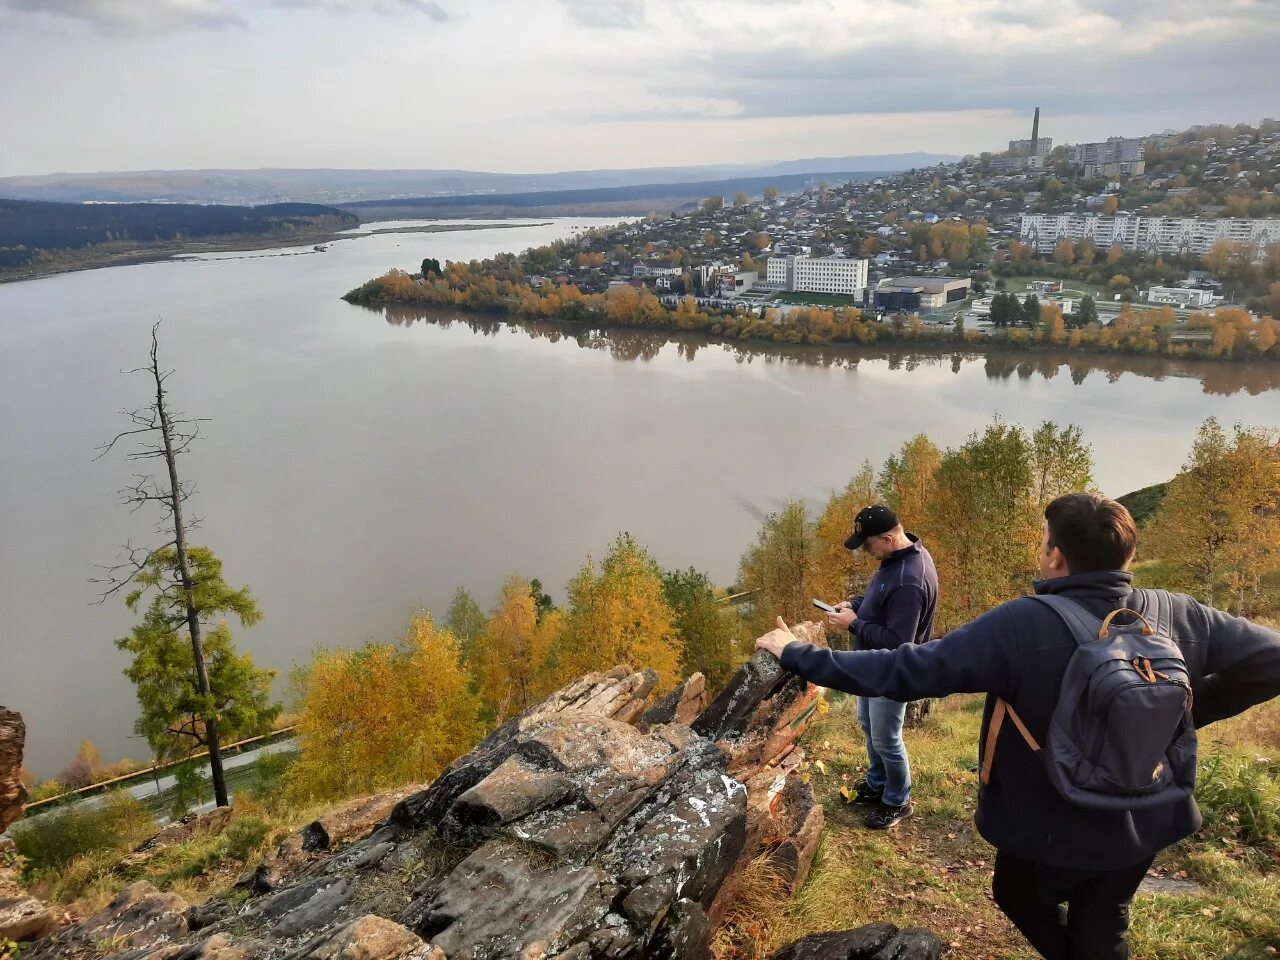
x: 510, y: 662
x: 833, y: 573
x: 1217, y: 532
x: 383, y: 715
x: 619, y: 615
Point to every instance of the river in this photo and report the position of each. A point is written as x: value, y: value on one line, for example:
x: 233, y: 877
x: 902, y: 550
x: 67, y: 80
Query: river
x: 357, y: 466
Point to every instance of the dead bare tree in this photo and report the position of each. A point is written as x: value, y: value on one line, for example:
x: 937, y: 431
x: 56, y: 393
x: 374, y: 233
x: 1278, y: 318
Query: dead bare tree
x: 162, y: 433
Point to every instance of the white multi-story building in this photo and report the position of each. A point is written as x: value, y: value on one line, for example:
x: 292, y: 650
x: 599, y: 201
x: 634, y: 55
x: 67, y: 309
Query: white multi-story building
x: 1184, y: 297
x: 1149, y: 235
x: 818, y: 274
x: 1113, y: 157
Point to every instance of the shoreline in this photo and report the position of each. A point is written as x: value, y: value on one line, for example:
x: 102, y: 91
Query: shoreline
x: 1012, y: 359
x: 162, y: 252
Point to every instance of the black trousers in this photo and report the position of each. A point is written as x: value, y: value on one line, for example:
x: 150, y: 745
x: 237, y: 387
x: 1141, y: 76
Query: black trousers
x: 1096, y: 915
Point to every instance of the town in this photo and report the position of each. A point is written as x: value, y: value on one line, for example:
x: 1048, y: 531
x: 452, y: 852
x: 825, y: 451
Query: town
x: 1175, y: 231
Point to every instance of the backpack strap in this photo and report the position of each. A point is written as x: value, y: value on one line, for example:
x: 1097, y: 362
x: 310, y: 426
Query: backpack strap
x: 1158, y: 607
x: 1081, y: 624
x: 993, y: 732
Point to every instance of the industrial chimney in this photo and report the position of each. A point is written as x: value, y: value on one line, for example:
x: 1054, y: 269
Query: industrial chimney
x: 1035, y: 131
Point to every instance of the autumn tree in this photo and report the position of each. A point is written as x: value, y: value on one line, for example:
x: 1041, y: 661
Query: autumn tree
x: 779, y: 567
x: 741, y: 200
x: 382, y: 715
x: 1217, y: 531
x: 908, y: 484
x: 986, y: 547
x: 82, y: 770
x: 707, y: 627
x: 175, y: 709
x: 832, y: 572
x: 511, y: 655
x: 618, y: 614
x: 1115, y: 254
x: 1065, y: 252
x: 1051, y: 316
x: 770, y: 194
x: 1218, y: 257
x: 712, y: 204
x: 466, y: 621
x: 162, y: 434
x: 1061, y: 462
x: 1110, y: 205
x: 761, y: 240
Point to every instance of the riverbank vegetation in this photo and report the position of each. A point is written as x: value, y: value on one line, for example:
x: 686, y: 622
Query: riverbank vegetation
x: 40, y: 236
x: 498, y: 286
x: 391, y: 713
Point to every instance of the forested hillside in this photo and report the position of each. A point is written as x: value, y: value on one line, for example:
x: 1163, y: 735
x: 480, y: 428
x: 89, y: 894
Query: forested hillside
x: 30, y: 227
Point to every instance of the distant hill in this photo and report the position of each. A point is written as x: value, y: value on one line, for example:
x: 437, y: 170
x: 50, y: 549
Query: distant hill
x: 345, y: 186
x: 31, y: 229
x: 639, y: 199
x: 1145, y: 502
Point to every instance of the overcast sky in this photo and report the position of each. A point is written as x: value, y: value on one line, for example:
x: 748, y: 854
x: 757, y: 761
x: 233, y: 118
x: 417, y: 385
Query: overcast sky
x: 542, y: 85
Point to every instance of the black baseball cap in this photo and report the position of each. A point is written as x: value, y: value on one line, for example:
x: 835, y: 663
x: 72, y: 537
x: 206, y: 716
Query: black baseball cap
x: 871, y: 522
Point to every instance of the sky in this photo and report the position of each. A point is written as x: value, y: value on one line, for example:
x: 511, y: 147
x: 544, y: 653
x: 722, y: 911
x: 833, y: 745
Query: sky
x: 543, y: 85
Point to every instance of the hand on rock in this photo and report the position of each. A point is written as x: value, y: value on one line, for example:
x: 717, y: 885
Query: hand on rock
x: 776, y: 639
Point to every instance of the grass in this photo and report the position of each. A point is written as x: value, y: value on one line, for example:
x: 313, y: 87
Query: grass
x: 72, y: 856
x: 935, y: 871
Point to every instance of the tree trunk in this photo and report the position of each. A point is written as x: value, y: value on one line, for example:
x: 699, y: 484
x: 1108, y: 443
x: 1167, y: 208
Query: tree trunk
x: 188, y: 590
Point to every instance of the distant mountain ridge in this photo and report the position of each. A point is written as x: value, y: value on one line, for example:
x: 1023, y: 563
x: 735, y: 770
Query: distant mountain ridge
x: 322, y: 185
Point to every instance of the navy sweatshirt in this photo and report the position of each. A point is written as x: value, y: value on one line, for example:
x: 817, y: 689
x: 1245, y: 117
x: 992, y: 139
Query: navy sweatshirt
x: 899, y: 601
x: 1019, y: 651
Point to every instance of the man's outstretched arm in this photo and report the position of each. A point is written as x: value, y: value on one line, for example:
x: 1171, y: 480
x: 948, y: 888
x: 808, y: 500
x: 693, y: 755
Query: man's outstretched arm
x: 972, y: 659
x: 1242, y: 667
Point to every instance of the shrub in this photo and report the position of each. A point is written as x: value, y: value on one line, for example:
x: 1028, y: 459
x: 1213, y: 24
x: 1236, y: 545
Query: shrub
x: 51, y: 841
x: 244, y: 836
x: 1240, y: 797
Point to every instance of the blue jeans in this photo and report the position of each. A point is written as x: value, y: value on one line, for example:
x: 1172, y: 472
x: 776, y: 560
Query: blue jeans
x: 889, y: 771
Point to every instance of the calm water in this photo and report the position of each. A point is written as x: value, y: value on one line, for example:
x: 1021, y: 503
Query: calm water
x: 359, y: 466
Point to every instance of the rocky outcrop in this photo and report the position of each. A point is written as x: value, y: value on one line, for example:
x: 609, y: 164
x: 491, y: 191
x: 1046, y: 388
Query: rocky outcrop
x: 134, y: 924
x: 582, y: 829
x: 877, y: 941
x: 21, y: 917
x: 318, y: 839
x: 13, y: 736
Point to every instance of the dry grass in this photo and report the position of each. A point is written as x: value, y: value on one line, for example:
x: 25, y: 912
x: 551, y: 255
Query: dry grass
x: 934, y: 871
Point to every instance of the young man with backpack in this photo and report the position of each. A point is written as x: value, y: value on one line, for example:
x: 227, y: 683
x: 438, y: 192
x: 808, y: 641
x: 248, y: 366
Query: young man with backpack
x: 1094, y: 693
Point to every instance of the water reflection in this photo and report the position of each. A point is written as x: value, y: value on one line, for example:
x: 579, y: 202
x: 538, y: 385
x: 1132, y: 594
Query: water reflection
x: 1217, y: 377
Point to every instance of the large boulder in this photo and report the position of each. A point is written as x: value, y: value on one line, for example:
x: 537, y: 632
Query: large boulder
x: 582, y: 829
x: 877, y: 941
x: 140, y: 918
x: 13, y: 795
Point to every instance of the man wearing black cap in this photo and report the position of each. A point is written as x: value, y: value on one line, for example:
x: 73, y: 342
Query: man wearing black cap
x: 896, y: 608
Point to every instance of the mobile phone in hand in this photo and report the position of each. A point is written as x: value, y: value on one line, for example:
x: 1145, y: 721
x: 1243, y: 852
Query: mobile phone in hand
x: 825, y: 606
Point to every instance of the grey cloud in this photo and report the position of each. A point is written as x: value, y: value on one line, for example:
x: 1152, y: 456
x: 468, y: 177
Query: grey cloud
x: 132, y: 17
x: 427, y: 7
x: 136, y: 16
x: 925, y: 70
x: 607, y: 14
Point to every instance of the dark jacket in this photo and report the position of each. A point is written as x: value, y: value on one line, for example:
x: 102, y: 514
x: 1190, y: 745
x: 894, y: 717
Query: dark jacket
x: 1019, y: 651
x: 899, y: 601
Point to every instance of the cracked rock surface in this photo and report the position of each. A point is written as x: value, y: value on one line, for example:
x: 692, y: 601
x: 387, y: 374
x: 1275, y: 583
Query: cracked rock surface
x: 582, y: 829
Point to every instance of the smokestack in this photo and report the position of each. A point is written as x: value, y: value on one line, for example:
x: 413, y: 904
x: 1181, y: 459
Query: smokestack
x: 1035, y: 130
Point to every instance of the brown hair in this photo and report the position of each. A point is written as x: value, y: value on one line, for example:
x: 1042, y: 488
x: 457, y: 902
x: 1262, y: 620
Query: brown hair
x: 1092, y: 532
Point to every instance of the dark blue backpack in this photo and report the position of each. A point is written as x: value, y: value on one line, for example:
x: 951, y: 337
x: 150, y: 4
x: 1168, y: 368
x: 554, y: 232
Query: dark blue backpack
x: 1121, y: 736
